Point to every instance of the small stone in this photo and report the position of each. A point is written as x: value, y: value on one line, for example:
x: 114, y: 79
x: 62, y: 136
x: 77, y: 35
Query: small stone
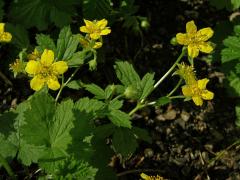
x: 185, y: 116
x: 148, y: 152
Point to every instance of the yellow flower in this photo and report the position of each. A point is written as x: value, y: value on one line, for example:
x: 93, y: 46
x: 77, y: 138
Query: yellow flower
x: 34, y: 55
x: 187, y: 73
x: 45, y: 71
x: 197, y: 91
x: 86, y: 43
x: 95, y: 29
x: 4, y: 36
x: 195, y: 40
x: 17, y: 67
x: 146, y: 177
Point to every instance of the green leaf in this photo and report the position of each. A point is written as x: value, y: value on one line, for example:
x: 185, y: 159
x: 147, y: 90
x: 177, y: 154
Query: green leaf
x: 96, y: 9
x: 104, y: 131
x: 237, y: 109
x: 120, y: 118
x: 40, y: 13
x: 50, y: 128
x: 66, y: 44
x: 19, y: 35
x: 142, y: 134
x: 78, y: 58
x: 75, y: 84
x: 96, y: 90
x: 163, y: 101
x: 231, y: 51
x: 124, y: 141
x: 74, y: 169
x: 147, y: 85
x: 45, y: 42
x: 115, y: 104
x: 126, y: 73
x: 235, y: 4
x: 221, y: 4
x: 89, y: 105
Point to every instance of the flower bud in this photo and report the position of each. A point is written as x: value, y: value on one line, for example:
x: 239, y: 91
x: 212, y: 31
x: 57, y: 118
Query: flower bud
x: 131, y: 93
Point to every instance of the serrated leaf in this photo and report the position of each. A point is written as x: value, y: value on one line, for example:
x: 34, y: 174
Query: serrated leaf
x: 104, y: 131
x: 120, y: 118
x: 41, y: 13
x: 231, y: 51
x: 95, y: 90
x: 163, y: 101
x: 126, y: 73
x: 142, y: 134
x: 237, y: 109
x: 147, y: 85
x: 77, y: 58
x: 75, y: 84
x: 50, y: 128
x: 89, y: 105
x: 96, y: 9
x: 67, y: 44
x: 124, y: 141
x: 19, y: 35
x: 45, y: 42
x: 115, y: 104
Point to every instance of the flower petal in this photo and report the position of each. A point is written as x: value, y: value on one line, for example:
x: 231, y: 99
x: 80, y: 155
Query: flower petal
x: 32, y: 67
x: 193, y: 50
x: 5, y: 37
x: 207, y: 95
x: 97, y: 45
x: 53, y: 84
x: 197, y: 100
x: 205, y: 47
x: 37, y: 83
x: 60, y: 67
x: 84, y: 29
x: 95, y: 36
x: 187, y: 91
x: 88, y: 23
x: 144, y: 176
x: 105, y: 31
x: 47, y: 57
x: 191, y: 28
x: 182, y: 39
x: 202, y: 83
x: 2, y: 27
x: 102, y: 23
x: 204, y: 34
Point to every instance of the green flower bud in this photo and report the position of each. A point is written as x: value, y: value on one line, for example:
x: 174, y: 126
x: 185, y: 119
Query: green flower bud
x: 173, y: 41
x: 92, y: 65
x: 131, y: 93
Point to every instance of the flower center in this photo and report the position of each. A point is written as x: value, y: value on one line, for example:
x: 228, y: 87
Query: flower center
x: 46, y: 71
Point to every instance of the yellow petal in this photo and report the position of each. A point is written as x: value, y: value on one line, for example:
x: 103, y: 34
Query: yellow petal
x: 88, y: 23
x: 53, y: 84
x: 60, y: 67
x: 193, y: 51
x: 97, y: 45
x: 207, y: 95
x: 102, y: 23
x: 187, y: 91
x: 182, y: 39
x: 202, y: 83
x: 47, y: 57
x: 204, y: 34
x: 144, y: 176
x: 32, y: 67
x: 205, y: 47
x: 2, y: 27
x: 105, y: 31
x: 95, y: 36
x: 5, y: 37
x: 197, y: 100
x: 84, y: 29
x: 37, y: 83
x: 191, y: 28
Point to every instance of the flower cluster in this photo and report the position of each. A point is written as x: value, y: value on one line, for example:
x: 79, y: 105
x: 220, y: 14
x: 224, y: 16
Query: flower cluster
x: 45, y: 71
x: 4, y: 36
x: 195, y: 40
x: 95, y: 30
x: 194, y: 89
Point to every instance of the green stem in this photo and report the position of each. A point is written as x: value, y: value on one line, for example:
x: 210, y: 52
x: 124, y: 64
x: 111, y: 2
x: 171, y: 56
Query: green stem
x: 170, y: 70
x: 6, y: 166
x: 138, y: 106
x: 175, y: 88
x: 177, y: 97
x: 64, y: 84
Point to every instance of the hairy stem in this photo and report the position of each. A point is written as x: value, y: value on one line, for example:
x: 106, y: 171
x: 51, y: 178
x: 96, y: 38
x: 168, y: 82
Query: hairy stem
x: 7, y: 167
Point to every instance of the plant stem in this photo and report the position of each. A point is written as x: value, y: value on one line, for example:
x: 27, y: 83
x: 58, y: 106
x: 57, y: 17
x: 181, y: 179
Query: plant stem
x: 7, y: 167
x: 170, y: 70
x: 177, y: 97
x: 175, y: 88
x: 138, y: 106
x: 64, y: 84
